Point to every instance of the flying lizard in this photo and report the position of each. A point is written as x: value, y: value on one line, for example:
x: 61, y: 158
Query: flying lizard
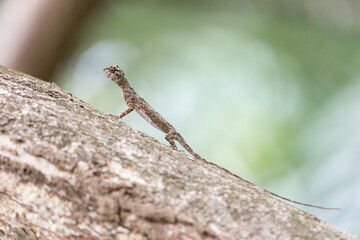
x: 135, y: 102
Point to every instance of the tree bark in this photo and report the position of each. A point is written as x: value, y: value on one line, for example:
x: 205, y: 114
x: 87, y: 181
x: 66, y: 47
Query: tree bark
x: 70, y: 171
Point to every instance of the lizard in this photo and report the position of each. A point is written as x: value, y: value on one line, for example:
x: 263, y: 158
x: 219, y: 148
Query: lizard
x: 137, y: 103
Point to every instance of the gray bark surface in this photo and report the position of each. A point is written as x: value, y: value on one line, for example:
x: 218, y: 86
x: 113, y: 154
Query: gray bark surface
x: 70, y: 171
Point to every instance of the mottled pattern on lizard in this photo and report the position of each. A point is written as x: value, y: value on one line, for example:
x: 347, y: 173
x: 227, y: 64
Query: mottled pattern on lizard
x: 135, y: 102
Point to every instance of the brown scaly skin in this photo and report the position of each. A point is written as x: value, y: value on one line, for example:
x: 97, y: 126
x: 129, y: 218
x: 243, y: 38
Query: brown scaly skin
x: 135, y: 102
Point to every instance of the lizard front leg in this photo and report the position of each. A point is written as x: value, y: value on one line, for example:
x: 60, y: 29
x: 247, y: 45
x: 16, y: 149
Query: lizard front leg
x: 170, y: 137
x: 126, y: 112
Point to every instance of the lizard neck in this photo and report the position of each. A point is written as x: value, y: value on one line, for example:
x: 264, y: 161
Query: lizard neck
x: 125, y: 84
x: 128, y: 90
x: 128, y: 93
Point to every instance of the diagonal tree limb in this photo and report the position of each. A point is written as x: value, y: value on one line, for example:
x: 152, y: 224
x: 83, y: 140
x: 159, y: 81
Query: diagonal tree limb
x: 69, y: 171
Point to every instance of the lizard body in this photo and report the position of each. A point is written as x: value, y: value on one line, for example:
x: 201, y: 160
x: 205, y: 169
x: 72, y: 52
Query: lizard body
x: 135, y: 102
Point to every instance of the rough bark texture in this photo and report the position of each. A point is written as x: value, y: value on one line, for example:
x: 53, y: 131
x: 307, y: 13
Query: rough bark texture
x: 69, y: 171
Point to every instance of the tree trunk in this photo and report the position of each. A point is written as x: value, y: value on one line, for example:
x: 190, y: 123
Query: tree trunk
x: 35, y: 36
x: 70, y: 171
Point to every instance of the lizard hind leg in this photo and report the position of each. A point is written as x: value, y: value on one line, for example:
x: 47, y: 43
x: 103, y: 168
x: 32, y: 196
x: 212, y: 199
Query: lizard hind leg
x: 170, y: 137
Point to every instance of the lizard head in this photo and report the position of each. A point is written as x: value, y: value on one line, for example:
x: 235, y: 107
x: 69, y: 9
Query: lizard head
x: 116, y: 75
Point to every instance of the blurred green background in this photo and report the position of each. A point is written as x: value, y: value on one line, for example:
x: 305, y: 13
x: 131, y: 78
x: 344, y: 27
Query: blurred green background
x: 268, y: 90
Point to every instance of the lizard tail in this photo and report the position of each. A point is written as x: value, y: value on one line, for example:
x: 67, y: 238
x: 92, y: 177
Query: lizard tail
x: 183, y: 143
